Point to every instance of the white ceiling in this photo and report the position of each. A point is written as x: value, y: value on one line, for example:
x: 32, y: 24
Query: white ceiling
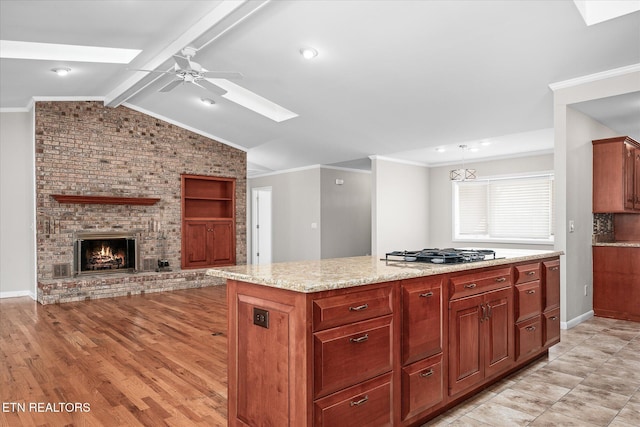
x: 392, y: 78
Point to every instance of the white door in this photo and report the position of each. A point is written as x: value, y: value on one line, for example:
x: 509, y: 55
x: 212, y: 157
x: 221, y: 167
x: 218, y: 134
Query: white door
x: 261, y: 225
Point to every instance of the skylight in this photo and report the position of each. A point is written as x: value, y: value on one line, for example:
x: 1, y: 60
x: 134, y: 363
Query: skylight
x: 596, y: 11
x: 65, y: 52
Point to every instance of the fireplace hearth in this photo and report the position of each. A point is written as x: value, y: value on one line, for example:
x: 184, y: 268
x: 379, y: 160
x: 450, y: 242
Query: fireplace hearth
x: 105, y: 252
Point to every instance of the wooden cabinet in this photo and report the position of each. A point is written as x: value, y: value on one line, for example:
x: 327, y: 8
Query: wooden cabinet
x: 551, y: 302
x: 422, y: 346
x: 385, y: 354
x: 480, y: 328
x: 616, y: 175
x: 208, y: 221
x: 616, y: 282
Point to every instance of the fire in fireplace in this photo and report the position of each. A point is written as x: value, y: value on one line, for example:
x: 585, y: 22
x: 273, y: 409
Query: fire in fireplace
x: 105, y: 252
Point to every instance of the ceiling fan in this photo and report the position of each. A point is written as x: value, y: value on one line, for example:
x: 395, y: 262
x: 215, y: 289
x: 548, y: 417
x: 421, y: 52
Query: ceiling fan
x: 186, y: 70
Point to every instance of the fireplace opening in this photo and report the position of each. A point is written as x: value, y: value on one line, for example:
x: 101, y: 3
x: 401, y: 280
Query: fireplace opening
x: 105, y: 253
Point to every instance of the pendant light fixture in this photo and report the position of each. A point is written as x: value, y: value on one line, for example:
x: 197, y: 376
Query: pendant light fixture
x: 462, y: 174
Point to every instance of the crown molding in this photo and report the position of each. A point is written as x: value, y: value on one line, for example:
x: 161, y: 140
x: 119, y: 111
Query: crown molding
x: 616, y: 72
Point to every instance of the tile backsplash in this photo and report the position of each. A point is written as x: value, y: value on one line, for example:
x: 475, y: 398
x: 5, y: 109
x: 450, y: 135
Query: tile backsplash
x: 603, y: 230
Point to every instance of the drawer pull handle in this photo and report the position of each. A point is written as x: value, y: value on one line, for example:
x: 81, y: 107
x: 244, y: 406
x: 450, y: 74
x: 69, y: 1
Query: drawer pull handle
x: 360, y: 402
x: 484, y: 313
x: 427, y: 374
x: 553, y: 268
x: 530, y: 328
x: 531, y: 291
x: 501, y: 279
x: 426, y: 294
x: 359, y: 339
x: 531, y: 273
x: 359, y: 308
x: 470, y: 286
x: 553, y: 318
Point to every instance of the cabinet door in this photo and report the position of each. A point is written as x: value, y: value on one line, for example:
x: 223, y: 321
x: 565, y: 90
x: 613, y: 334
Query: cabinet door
x: 422, y: 386
x: 551, y: 325
x: 196, y: 244
x: 465, y: 356
x: 421, y: 319
x: 528, y: 338
x: 528, y: 300
x: 498, y: 342
x: 629, y: 166
x: 551, y: 284
x: 222, y: 247
x: 636, y: 174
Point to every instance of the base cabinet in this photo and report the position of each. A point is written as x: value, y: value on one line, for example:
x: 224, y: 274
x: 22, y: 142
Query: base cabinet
x: 387, y: 354
x: 616, y: 282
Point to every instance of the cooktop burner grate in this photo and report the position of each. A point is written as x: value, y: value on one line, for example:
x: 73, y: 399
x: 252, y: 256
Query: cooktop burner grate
x: 442, y: 256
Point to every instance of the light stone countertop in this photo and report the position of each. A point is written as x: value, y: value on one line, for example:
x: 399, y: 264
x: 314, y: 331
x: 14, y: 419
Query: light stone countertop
x: 620, y: 244
x: 338, y: 273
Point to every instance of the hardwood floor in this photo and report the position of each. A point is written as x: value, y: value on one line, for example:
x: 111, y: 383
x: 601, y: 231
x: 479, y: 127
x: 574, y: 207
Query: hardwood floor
x: 148, y: 360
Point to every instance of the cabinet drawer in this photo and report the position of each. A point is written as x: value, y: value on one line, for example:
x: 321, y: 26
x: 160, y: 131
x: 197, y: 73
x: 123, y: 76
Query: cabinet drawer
x: 421, y: 318
x: 527, y: 273
x: 472, y: 284
x: 352, y: 307
x: 350, y: 354
x: 367, y: 404
x: 551, y: 281
x: 528, y: 337
x: 551, y: 327
x: 528, y: 300
x: 422, y: 386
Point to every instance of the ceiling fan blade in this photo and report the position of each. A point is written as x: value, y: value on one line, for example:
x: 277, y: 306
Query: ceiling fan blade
x: 229, y: 75
x: 205, y: 84
x: 150, y: 71
x: 183, y: 63
x: 170, y: 86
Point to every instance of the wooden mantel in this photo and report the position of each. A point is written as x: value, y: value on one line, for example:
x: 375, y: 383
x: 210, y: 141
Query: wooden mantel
x: 105, y: 200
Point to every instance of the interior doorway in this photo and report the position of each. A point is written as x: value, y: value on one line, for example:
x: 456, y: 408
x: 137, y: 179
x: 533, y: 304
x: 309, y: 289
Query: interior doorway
x: 261, y: 225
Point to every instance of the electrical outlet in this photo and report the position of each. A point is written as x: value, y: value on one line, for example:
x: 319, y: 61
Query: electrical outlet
x: 260, y: 317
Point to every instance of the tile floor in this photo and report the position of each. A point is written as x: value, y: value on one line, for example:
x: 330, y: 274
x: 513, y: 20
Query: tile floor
x: 591, y: 378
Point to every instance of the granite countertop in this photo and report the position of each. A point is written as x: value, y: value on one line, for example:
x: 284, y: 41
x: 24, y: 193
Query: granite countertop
x: 337, y: 273
x: 619, y: 244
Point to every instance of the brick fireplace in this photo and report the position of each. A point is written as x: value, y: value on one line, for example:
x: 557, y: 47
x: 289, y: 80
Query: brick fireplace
x: 109, y: 158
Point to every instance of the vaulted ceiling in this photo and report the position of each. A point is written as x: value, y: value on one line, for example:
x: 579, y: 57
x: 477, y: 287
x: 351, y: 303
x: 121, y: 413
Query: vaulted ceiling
x: 391, y: 78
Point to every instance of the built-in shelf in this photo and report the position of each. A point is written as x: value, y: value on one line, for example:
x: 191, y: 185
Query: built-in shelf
x: 105, y: 200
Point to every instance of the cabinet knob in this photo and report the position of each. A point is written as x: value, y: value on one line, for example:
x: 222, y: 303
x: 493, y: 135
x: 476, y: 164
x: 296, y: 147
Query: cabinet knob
x: 501, y: 279
x: 359, y: 308
x: 554, y: 269
x: 531, y: 273
x: 531, y: 291
x: 359, y: 402
x: 426, y: 295
x: 470, y: 286
x: 553, y: 318
x: 359, y: 339
x: 427, y: 373
x: 530, y: 328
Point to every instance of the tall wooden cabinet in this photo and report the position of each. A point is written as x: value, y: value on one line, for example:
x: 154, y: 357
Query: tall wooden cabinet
x: 208, y: 221
x: 616, y: 175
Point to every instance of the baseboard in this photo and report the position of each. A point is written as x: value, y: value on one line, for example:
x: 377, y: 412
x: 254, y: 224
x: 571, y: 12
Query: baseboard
x: 577, y: 320
x: 15, y: 294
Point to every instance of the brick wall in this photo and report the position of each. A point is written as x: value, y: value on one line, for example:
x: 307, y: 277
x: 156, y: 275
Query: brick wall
x: 85, y: 148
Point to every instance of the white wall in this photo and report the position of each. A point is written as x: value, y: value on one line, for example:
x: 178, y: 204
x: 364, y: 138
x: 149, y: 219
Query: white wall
x: 441, y: 203
x: 295, y: 206
x: 400, y: 202
x: 345, y: 213
x: 573, y: 173
x: 17, y: 210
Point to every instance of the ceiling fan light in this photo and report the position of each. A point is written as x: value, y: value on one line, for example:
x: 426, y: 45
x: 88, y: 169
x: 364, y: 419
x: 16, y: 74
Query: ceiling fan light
x: 61, y: 71
x: 308, y: 53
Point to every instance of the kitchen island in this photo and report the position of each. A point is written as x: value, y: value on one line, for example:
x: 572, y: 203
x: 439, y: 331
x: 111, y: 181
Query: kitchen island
x: 362, y: 341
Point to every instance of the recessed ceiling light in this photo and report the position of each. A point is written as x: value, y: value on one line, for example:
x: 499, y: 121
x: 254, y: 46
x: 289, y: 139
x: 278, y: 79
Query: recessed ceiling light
x: 485, y: 143
x: 61, y: 71
x: 308, y: 52
x: 474, y: 149
x: 440, y: 150
x: 65, y: 52
x: 207, y: 101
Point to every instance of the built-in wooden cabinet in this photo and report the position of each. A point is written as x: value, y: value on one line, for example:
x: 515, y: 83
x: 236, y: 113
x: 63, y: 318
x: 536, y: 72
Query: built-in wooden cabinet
x: 480, y: 327
x: 208, y: 221
x: 386, y: 354
x: 616, y: 175
x: 616, y: 282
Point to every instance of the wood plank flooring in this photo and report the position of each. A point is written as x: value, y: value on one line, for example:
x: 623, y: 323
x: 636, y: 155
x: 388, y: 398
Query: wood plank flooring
x: 149, y: 360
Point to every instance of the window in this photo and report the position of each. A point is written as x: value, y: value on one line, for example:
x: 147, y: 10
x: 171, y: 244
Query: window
x: 506, y: 209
